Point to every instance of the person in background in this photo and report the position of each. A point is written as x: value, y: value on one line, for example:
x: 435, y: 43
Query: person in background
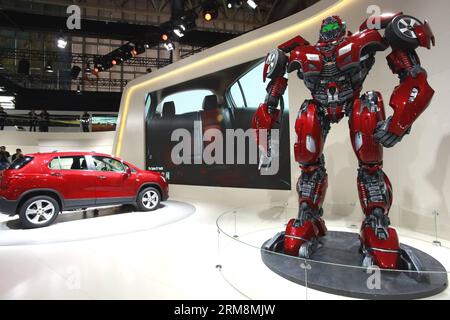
x: 3, y: 118
x: 44, y: 121
x: 17, y: 155
x: 4, y: 158
x: 33, y: 120
x: 85, y: 121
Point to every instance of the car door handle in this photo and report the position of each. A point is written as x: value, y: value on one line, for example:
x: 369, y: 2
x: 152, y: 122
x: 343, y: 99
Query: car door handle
x: 102, y: 177
x: 56, y: 174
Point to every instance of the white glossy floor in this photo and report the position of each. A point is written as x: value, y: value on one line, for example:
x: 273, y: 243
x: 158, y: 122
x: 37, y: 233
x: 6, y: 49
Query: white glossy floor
x: 172, y: 261
x: 166, y: 254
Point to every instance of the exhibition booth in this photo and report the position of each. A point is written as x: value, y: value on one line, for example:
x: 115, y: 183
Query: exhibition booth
x: 214, y: 237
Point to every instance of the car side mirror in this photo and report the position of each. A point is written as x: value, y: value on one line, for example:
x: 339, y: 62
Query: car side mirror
x: 128, y: 171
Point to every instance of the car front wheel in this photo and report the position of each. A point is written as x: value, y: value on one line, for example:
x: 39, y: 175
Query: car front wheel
x: 148, y: 199
x: 39, y: 211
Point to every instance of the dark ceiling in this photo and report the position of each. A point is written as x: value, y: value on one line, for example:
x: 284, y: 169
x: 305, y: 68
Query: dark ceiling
x: 271, y: 10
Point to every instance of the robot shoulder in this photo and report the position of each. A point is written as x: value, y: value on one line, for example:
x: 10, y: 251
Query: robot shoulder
x: 408, y: 33
x: 277, y: 60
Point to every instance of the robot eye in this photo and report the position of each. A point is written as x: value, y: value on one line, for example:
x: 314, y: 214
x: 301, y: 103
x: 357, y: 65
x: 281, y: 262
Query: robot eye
x: 330, y: 27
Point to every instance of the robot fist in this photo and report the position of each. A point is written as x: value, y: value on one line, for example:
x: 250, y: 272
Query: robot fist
x: 265, y: 117
x: 386, y: 138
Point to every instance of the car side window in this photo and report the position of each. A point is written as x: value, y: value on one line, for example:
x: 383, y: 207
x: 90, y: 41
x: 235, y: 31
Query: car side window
x: 248, y: 91
x: 69, y: 163
x: 107, y: 164
x: 54, y: 164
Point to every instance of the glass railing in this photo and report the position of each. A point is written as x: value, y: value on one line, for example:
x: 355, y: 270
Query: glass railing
x: 334, y: 270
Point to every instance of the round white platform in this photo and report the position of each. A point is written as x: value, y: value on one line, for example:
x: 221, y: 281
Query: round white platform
x: 110, y: 221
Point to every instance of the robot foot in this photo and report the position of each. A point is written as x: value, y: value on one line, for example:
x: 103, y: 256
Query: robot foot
x: 384, y: 252
x: 379, y: 242
x: 302, y: 238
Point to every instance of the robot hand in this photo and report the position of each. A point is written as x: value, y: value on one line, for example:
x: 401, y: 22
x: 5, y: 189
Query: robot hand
x: 386, y: 138
x: 264, y: 119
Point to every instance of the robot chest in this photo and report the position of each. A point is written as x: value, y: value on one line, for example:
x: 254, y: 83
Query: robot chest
x: 315, y: 62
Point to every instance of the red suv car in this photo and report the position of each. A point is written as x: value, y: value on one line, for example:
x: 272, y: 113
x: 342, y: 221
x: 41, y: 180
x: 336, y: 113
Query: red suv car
x: 39, y: 186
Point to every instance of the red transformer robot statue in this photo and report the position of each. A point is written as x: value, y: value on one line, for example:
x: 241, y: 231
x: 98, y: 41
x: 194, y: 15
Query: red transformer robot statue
x: 334, y: 71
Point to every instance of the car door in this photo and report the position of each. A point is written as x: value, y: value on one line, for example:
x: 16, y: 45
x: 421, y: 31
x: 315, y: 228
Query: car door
x: 71, y: 177
x: 115, y: 185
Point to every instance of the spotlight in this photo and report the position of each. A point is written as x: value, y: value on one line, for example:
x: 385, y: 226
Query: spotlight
x: 207, y: 16
x: 165, y: 37
x: 49, y: 67
x: 210, y: 11
x: 252, y: 4
x: 139, y: 48
x: 178, y: 32
x: 234, y: 3
x: 61, y: 42
x: 113, y: 62
x: 147, y: 46
x: 169, y: 46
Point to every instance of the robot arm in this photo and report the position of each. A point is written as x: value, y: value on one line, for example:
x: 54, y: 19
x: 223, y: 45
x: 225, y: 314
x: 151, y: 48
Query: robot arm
x: 268, y: 115
x: 413, y: 95
x: 276, y: 64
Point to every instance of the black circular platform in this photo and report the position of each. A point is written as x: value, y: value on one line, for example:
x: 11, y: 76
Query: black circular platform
x: 329, y: 270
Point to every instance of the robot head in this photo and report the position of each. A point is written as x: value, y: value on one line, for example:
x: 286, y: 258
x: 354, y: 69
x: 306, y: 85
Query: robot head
x: 332, y: 29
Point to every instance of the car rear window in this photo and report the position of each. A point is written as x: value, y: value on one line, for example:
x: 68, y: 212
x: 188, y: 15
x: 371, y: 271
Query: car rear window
x: 21, y: 162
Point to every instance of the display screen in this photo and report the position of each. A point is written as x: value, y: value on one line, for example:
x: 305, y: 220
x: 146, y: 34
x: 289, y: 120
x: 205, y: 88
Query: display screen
x: 198, y: 132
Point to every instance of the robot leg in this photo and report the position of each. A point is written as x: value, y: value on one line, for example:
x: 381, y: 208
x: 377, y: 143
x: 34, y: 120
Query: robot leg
x: 302, y: 234
x: 379, y: 242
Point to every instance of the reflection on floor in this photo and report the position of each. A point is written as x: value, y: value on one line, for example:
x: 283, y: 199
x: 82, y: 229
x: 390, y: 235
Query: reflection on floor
x: 163, y: 262
x: 93, y: 224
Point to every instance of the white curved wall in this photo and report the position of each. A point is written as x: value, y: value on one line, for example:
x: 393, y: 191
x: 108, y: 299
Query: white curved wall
x: 31, y: 142
x: 418, y: 167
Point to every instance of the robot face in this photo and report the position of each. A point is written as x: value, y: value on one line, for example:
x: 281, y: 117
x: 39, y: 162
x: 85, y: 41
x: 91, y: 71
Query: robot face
x: 332, y: 29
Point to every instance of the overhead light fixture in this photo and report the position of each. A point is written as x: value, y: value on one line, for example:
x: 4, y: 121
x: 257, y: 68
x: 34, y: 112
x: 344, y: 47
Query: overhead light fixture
x: 252, y: 4
x: 61, y: 42
x: 165, y: 37
x: 169, y: 46
x: 210, y: 11
x: 178, y: 32
x: 49, y: 67
x: 7, y: 102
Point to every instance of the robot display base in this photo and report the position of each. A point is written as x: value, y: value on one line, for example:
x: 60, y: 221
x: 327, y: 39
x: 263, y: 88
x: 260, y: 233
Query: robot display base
x: 335, y: 267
